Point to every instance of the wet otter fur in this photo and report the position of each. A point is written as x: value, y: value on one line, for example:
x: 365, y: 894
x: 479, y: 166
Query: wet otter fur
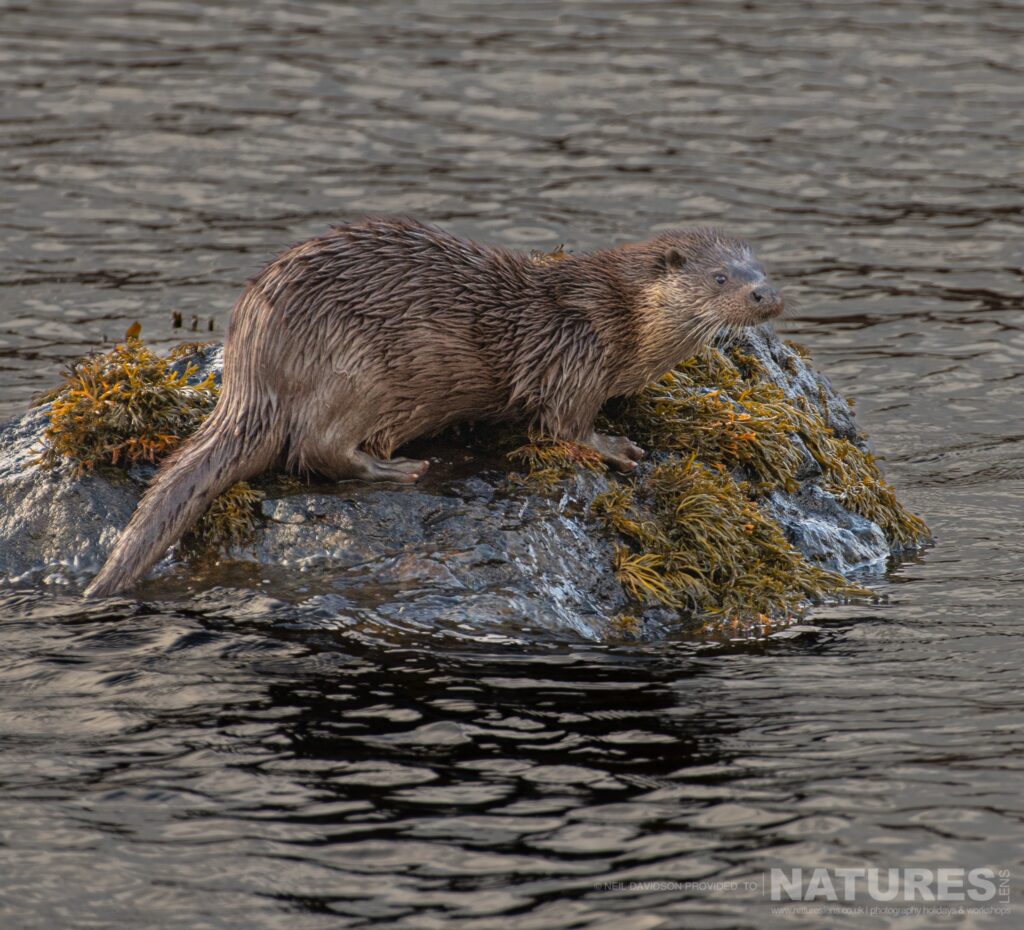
x: 348, y: 345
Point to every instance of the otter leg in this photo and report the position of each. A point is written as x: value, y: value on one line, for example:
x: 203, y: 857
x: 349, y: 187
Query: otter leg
x: 570, y: 406
x: 370, y: 468
x: 618, y: 451
x: 577, y: 425
x: 330, y: 456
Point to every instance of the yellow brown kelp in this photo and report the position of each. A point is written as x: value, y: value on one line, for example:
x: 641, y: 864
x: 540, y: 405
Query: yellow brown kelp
x: 185, y: 349
x: 694, y: 535
x: 231, y: 521
x: 130, y: 406
x: 699, y: 543
x: 849, y: 472
x: 548, y: 461
x: 707, y: 407
x: 558, y: 254
x: 122, y: 407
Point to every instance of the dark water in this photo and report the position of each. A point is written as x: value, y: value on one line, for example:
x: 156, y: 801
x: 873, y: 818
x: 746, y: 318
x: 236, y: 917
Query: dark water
x: 214, y: 766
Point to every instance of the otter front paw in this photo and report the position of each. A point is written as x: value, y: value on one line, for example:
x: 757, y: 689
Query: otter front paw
x: 617, y: 451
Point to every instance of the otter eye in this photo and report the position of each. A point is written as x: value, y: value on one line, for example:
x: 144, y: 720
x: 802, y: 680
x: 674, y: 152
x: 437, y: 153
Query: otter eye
x: 720, y: 279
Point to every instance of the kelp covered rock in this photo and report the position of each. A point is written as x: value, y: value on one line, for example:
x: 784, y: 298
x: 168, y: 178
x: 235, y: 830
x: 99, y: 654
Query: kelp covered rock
x: 759, y: 497
x: 126, y: 406
x: 762, y: 493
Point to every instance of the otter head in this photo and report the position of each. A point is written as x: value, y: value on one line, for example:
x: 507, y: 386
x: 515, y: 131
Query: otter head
x: 705, y: 281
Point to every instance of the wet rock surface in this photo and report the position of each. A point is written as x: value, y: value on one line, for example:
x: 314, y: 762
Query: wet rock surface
x: 464, y: 546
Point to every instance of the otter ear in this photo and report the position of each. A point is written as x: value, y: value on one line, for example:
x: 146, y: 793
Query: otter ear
x: 673, y: 259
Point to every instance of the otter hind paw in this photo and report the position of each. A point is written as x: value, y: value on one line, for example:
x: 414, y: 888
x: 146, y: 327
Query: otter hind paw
x: 618, y: 451
x: 406, y: 471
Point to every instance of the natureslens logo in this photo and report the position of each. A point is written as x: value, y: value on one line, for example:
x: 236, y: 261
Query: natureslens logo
x: 905, y: 885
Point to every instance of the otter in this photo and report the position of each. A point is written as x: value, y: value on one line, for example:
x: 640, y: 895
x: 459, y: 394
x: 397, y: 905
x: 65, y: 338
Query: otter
x: 349, y: 345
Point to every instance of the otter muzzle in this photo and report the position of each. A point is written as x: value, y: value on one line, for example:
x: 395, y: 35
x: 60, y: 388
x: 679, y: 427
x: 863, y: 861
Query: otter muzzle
x: 765, y: 301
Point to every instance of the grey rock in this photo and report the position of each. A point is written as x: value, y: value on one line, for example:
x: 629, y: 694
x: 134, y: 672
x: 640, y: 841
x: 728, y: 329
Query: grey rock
x: 463, y: 549
x: 818, y: 525
x: 54, y: 524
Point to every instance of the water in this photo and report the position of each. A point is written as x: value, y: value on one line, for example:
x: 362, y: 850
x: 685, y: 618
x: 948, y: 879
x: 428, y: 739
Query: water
x: 214, y: 766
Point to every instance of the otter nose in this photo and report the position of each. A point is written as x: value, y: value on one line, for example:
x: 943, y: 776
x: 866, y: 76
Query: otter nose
x: 768, y: 300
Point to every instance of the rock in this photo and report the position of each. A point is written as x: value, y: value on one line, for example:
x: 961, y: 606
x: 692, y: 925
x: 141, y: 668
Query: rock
x: 465, y: 548
x: 55, y: 524
x: 830, y: 536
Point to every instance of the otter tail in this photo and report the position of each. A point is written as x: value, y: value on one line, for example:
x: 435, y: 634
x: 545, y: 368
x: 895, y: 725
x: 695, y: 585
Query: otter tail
x: 213, y: 459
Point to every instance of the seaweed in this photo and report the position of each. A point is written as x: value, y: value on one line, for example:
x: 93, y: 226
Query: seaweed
x: 559, y: 254
x: 230, y: 521
x: 187, y: 349
x: 721, y: 406
x: 696, y: 541
x: 548, y: 461
x: 626, y: 626
x: 123, y: 407
x: 706, y: 406
x: 852, y: 476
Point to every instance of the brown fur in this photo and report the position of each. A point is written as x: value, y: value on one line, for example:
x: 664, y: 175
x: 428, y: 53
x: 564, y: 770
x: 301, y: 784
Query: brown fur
x: 347, y: 346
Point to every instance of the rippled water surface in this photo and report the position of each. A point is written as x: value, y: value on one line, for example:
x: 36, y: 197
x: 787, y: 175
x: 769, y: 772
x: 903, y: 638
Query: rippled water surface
x: 220, y: 766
